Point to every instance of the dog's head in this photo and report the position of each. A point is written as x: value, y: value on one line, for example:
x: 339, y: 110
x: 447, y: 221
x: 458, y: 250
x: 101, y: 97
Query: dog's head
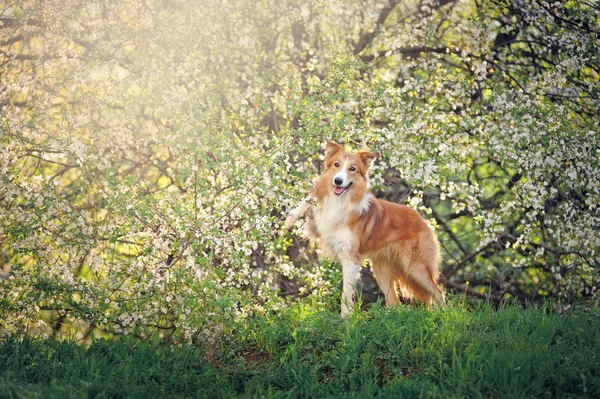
x: 346, y: 174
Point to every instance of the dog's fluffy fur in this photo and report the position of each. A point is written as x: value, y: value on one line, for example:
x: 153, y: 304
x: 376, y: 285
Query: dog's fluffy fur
x: 351, y: 224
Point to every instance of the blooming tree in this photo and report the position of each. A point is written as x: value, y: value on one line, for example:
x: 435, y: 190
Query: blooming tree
x: 150, y: 150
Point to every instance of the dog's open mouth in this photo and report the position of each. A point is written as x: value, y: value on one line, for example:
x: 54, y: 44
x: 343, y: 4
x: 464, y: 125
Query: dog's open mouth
x: 337, y: 190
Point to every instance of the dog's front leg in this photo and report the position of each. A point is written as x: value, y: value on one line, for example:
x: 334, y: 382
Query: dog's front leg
x: 350, y: 272
x: 296, y: 214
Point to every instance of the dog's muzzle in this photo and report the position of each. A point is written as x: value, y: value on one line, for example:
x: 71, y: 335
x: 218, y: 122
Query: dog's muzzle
x: 337, y: 190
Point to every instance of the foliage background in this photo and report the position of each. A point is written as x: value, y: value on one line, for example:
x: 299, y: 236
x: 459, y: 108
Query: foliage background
x: 150, y: 150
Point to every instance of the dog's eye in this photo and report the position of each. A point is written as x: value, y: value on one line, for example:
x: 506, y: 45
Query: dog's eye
x: 352, y: 168
x: 337, y: 164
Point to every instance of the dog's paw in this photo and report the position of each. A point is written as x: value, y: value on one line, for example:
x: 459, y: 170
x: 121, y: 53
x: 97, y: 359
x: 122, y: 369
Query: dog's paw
x: 294, y: 215
x: 290, y: 221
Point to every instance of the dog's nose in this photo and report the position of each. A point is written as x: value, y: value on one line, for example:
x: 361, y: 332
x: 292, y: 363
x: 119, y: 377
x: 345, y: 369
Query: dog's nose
x: 338, y: 181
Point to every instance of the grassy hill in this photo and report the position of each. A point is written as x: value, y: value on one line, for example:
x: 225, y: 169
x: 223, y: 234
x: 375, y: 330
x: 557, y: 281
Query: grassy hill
x: 402, y: 353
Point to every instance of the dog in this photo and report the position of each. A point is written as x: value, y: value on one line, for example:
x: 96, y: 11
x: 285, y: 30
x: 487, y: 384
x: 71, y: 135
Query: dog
x: 351, y: 225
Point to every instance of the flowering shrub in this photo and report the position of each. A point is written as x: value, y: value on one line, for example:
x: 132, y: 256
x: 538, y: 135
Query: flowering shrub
x: 151, y: 149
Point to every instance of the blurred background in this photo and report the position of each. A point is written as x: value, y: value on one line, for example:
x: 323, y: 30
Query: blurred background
x: 149, y: 151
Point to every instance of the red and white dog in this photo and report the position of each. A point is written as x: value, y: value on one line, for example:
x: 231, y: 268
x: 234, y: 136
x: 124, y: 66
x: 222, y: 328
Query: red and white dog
x: 351, y: 225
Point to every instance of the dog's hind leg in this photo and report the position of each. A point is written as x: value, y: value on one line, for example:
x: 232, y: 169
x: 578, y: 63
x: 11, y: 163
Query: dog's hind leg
x: 385, y: 280
x: 424, y: 286
x: 427, y: 272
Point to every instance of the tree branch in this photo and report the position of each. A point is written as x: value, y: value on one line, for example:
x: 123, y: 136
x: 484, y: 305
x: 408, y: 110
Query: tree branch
x: 407, y: 51
x: 6, y: 22
x: 366, y: 38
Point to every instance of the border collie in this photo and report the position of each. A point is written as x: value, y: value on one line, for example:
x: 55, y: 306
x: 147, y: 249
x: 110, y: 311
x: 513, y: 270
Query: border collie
x: 351, y: 224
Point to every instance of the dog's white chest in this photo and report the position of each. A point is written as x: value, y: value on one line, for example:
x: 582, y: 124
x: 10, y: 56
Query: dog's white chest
x: 331, y: 219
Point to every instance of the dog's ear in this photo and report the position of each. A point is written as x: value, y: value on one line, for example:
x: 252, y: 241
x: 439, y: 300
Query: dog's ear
x: 332, y: 148
x: 368, y: 157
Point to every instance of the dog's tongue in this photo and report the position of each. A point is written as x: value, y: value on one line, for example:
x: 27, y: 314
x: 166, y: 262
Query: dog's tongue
x: 338, y: 190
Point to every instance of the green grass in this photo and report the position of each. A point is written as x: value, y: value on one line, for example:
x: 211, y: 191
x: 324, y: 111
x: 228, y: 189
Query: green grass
x: 402, y: 353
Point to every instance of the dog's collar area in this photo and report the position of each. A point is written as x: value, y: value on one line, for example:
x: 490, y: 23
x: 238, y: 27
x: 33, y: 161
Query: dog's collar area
x: 337, y: 190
